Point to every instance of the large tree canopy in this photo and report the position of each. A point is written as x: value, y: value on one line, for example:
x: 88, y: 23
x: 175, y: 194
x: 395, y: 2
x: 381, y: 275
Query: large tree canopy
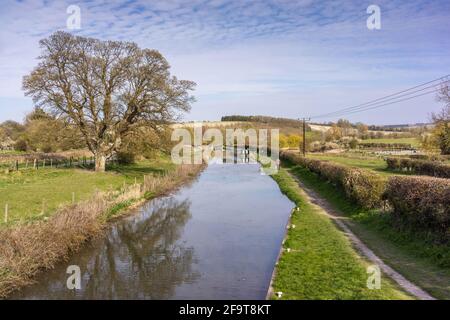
x: 106, y: 88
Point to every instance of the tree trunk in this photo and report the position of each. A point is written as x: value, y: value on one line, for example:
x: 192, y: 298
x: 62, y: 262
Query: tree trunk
x: 100, y: 162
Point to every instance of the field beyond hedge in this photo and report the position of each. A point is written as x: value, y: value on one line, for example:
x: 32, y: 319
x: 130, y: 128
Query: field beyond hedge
x: 414, y: 142
x: 374, y: 163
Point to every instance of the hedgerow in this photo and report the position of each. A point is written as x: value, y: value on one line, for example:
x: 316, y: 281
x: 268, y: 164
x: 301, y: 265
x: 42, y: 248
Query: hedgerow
x: 422, y: 202
x: 383, y: 145
x: 361, y: 186
x: 421, y: 167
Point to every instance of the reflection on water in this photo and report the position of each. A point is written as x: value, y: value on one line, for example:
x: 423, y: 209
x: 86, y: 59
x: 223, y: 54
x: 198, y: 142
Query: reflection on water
x: 215, y: 239
x: 125, y: 269
x: 120, y: 266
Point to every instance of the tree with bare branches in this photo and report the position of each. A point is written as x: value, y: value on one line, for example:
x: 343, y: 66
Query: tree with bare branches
x: 106, y: 89
x: 441, y: 120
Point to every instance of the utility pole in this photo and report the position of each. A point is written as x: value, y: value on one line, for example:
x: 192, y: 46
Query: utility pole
x: 304, y: 134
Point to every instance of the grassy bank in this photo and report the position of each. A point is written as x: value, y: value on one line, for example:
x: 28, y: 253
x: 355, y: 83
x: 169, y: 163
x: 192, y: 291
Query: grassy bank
x: 416, y: 256
x: 36, y: 194
x: 322, y: 263
x: 28, y: 248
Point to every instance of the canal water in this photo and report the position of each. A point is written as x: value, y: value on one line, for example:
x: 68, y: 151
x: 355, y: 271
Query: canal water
x: 217, y: 238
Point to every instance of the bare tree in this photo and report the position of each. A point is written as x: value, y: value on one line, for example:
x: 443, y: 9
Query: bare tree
x: 441, y: 120
x: 106, y: 88
x: 443, y: 96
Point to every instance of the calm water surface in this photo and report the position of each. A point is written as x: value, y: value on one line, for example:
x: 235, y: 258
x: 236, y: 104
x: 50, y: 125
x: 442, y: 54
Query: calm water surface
x: 217, y: 238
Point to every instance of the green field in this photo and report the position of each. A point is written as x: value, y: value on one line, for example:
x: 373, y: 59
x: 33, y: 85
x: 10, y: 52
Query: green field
x: 412, y: 141
x: 368, y: 162
x: 35, y: 194
x: 374, y: 163
x: 322, y: 263
x: 416, y: 256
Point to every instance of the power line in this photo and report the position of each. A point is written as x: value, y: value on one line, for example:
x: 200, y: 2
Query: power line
x: 387, y: 104
x: 383, y: 100
x: 380, y: 100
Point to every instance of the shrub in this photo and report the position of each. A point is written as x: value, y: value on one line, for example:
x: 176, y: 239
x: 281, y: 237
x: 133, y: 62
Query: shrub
x: 317, y: 146
x: 294, y: 140
x: 406, y: 163
x: 330, y: 146
x: 361, y: 186
x: 313, y: 146
x: 364, y: 187
x: 125, y: 157
x: 421, y: 167
x: 47, y: 148
x: 353, y: 143
x: 21, y: 145
x: 422, y: 202
x: 393, y: 163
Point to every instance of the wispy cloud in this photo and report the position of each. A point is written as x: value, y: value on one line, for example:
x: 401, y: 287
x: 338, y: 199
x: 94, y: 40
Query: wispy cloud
x: 282, y: 57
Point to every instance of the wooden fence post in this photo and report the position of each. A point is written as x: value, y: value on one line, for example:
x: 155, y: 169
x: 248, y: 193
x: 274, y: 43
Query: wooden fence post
x: 17, y: 165
x: 34, y: 164
x: 51, y: 163
x: 43, y: 163
x: 6, y: 213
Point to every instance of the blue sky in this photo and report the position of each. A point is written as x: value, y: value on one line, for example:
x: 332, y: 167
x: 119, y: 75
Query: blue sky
x: 289, y: 58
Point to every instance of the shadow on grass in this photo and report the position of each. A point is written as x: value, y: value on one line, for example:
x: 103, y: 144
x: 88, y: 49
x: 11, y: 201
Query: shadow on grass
x: 134, y: 170
x: 158, y: 166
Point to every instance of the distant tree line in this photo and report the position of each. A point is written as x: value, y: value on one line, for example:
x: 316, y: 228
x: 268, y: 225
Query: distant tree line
x: 265, y: 119
x: 40, y: 132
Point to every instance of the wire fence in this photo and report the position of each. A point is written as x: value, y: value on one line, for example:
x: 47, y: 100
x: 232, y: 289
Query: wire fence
x: 36, y: 164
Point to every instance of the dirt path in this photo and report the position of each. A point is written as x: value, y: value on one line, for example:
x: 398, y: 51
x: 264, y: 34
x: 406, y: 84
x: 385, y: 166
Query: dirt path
x: 340, y: 221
